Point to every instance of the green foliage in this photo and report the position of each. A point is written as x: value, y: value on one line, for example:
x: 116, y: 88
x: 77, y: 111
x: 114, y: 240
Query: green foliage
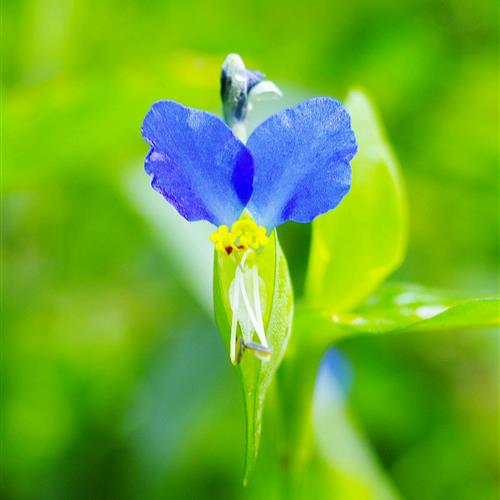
x: 401, y: 308
x: 257, y: 375
x: 354, y: 248
x: 412, y: 308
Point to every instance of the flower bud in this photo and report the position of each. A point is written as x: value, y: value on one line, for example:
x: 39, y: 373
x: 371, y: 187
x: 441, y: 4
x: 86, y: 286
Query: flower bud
x: 238, y: 85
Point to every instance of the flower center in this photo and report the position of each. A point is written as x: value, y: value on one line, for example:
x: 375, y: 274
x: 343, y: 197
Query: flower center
x: 247, y: 294
x: 245, y: 234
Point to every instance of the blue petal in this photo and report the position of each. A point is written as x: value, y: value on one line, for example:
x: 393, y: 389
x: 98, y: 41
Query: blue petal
x: 197, y: 163
x: 301, y: 162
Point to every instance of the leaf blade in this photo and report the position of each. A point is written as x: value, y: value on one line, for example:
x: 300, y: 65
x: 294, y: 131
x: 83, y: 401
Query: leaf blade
x: 405, y: 309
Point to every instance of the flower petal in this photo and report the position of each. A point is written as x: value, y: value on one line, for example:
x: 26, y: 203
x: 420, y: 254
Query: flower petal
x: 197, y: 163
x: 301, y: 162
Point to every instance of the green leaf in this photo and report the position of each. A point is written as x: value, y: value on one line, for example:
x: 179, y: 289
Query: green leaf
x: 356, y: 246
x: 404, y: 308
x: 256, y: 374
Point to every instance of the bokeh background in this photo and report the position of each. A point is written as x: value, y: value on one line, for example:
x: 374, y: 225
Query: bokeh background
x: 115, y: 383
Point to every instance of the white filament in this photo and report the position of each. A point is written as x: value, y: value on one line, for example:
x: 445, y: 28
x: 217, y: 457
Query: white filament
x: 258, y: 313
x: 251, y: 316
x: 248, y: 306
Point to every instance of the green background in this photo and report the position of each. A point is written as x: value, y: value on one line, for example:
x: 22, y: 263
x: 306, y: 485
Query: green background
x: 115, y: 383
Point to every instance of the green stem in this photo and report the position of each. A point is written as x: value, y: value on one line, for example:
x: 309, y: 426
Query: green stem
x: 240, y: 131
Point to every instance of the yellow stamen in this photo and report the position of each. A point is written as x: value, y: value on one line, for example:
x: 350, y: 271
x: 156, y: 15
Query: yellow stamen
x: 244, y: 234
x: 223, y: 239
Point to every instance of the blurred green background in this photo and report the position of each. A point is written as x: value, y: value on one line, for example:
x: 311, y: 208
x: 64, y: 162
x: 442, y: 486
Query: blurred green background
x: 115, y: 383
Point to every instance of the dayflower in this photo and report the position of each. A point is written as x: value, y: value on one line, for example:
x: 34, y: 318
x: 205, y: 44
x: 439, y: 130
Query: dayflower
x: 294, y: 167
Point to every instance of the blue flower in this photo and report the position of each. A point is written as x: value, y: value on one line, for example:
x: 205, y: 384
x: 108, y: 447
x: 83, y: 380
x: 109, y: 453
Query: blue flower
x: 294, y: 167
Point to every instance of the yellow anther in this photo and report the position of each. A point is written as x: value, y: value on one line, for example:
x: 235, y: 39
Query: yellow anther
x: 223, y: 239
x: 248, y: 234
x: 244, y: 234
